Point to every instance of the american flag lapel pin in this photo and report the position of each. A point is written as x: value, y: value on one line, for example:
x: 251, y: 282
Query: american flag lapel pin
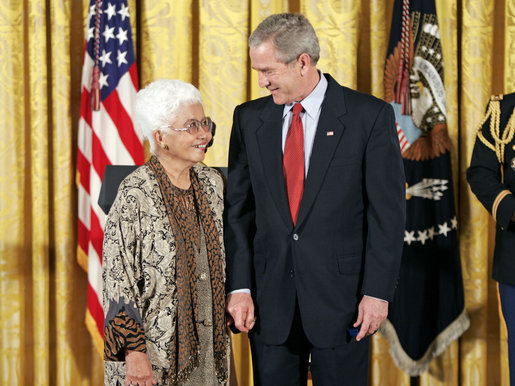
x: 329, y: 133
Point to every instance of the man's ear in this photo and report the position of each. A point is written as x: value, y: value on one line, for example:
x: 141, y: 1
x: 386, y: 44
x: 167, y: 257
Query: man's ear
x: 304, y: 61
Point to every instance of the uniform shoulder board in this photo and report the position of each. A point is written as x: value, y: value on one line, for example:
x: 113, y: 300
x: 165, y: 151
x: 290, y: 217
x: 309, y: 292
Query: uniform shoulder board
x: 501, y: 136
x: 492, y: 112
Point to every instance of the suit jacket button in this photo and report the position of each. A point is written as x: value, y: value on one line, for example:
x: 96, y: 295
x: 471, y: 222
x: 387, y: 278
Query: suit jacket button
x: 295, y: 236
x: 292, y: 273
x: 208, y: 323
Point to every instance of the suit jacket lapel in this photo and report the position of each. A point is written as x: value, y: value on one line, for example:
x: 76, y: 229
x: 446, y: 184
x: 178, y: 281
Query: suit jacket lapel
x: 327, y: 137
x: 269, y: 139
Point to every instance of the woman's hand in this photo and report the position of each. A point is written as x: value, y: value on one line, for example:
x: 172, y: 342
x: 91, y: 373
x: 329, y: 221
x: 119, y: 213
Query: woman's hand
x: 138, y: 369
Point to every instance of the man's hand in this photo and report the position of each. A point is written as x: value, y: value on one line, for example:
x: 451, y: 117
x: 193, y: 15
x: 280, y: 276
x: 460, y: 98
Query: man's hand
x: 138, y: 369
x: 371, y: 313
x: 241, y: 311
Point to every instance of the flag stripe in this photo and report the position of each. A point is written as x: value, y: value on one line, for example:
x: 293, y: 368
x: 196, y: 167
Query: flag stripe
x: 83, y: 166
x: 133, y: 71
x: 87, y: 71
x: 100, y: 160
x: 85, y: 108
x: 83, y: 239
x: 96, y: 185
x: 96, y: 235
x: 95, y: 309
x: 84, y: 208
x: 126, y: 88
x: 95, y: 270
x: 107, y: 132
x: 125, y: 127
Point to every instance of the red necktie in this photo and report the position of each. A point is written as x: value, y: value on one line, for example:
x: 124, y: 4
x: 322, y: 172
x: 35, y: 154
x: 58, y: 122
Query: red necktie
x: 293, y: 162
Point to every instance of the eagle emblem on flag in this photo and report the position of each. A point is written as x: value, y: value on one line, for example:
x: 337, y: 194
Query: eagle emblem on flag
x: 414, y: 87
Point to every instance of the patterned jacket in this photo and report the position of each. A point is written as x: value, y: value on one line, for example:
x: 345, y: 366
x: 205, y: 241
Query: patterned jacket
x: 139, y: 258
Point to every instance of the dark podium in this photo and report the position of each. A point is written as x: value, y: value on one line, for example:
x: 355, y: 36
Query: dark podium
x: 114, y: 175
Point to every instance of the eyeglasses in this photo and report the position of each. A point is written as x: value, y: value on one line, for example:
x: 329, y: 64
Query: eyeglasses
x: 194, y: 125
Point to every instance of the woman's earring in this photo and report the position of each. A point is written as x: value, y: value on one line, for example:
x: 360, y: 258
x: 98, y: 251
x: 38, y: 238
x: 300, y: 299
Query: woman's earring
x: 165, y: 146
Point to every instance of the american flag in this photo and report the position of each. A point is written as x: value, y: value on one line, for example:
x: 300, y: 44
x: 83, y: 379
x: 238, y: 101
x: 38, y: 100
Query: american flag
x: 106, y: 134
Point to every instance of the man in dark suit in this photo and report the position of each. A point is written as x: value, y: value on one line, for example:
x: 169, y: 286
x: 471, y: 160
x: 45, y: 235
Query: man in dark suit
x: 315, y: 211
x: 491, y: 177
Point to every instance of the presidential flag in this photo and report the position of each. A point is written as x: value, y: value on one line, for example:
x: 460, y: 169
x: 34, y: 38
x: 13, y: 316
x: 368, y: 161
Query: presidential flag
x: 106, y: 135
x: 428, y: 310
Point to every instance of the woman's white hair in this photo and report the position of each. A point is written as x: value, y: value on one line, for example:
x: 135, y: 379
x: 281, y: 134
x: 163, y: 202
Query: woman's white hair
x: 158, y: 103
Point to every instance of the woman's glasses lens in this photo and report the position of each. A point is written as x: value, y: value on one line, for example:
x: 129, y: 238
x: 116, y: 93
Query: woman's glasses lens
x: 194, y: 127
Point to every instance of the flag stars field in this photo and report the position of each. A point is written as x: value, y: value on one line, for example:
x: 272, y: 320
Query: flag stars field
x: 121, y: 35
x: 124, y: 12
x: 422, y: 236
x: 430, y: 233
x: 409, y: 237
x: 443, y: 229
x: 108, y: 33
x: 110, y: 11
x: 121, y: 58
x: 105, y: 58
x: 103, y: 80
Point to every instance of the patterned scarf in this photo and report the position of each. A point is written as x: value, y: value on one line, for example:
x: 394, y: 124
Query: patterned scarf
x: 186, y: 346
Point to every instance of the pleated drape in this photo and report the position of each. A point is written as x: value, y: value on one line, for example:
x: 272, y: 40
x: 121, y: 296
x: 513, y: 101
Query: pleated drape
x: 42, y: 288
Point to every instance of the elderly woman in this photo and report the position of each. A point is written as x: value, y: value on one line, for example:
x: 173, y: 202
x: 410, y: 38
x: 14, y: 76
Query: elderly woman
x: 163, y: 256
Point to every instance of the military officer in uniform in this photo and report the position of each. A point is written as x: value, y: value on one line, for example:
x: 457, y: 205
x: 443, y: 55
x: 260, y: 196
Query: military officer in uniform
x: 491, y: 176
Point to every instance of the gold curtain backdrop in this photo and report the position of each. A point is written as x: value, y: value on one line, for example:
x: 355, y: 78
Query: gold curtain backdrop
x: 42, y: 288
